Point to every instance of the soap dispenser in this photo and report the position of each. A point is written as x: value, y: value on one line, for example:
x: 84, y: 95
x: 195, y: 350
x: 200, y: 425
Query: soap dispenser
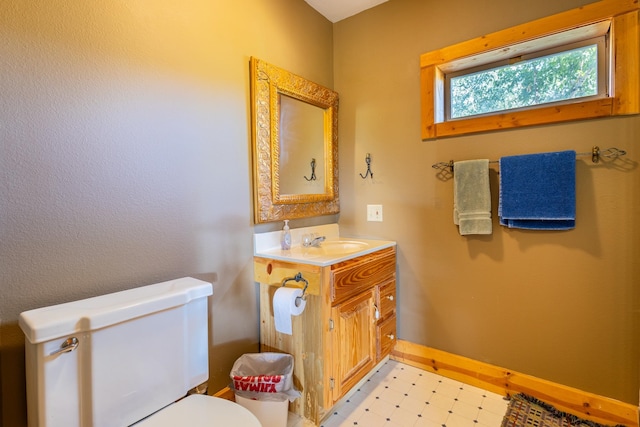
x: 285, y: 237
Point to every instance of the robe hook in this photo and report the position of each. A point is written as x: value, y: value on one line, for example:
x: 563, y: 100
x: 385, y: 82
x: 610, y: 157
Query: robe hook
x: 368, y: 160
x: 313, y: 171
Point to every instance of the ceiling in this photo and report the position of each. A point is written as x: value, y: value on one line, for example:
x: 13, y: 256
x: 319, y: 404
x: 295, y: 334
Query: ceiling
x: 337, y: 10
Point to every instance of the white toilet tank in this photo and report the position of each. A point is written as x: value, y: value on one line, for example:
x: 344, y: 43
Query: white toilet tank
x: 137, y: 351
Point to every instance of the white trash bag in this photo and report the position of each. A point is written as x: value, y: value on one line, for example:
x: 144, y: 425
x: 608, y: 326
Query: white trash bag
x: 264, y: 376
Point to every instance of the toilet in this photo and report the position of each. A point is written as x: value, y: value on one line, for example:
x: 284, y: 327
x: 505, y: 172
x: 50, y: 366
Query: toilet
x: 125, y: 358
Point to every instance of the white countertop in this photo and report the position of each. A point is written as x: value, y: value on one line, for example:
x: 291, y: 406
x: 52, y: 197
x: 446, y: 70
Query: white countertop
x: 334, y: 249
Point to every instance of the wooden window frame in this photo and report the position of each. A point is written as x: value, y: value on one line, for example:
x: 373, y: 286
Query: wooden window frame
x: 620, y: 17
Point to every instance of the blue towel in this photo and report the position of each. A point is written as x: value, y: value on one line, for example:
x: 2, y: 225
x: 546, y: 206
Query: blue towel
x: 538, y: 191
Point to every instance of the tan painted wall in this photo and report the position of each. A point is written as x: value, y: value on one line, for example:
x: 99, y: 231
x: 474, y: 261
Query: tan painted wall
x: 562, y: 306
x: 124, y: 155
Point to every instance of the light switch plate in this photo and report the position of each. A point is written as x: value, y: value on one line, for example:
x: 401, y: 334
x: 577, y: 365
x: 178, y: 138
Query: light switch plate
x: 374, y: 213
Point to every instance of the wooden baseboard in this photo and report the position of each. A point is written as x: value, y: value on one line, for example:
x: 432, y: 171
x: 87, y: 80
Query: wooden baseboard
x: 507, y: 382
x: 226, y: 393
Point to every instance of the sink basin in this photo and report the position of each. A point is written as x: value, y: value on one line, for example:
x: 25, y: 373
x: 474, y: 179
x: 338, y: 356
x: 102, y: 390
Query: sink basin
x: 337, y: 247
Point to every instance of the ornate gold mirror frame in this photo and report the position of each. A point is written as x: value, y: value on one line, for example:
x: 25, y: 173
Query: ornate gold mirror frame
x: 268, y: 84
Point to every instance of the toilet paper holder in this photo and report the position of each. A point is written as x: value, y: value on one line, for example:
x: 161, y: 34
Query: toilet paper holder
x: 298, y: 278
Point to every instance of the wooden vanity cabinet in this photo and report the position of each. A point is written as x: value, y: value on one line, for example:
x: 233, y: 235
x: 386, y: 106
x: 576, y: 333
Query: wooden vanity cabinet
x: 347, y: 327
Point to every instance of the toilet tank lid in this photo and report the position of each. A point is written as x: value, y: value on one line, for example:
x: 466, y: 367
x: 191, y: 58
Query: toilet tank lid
x: 47, y: 323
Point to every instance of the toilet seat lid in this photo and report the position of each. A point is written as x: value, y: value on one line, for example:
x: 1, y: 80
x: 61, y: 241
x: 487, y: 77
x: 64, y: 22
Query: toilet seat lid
x: 201, y: 411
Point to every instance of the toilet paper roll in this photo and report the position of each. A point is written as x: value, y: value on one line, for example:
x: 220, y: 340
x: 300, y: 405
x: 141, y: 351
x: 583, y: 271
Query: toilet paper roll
x: 287, y: 302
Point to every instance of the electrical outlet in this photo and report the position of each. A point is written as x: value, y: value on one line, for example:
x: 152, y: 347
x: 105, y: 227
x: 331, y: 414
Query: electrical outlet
x: 374, y: 213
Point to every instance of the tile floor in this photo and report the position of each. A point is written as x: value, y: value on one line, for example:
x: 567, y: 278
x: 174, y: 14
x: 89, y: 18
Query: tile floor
x: 399, y: 395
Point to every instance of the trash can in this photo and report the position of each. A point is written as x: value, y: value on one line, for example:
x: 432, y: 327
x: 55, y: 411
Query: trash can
x: 263, y: 383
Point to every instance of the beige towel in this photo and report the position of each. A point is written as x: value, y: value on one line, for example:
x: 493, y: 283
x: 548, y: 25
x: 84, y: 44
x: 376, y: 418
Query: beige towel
x: 472, y: 197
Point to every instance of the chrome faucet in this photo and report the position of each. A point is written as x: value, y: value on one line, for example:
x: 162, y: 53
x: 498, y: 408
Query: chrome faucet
x: 307, y: 241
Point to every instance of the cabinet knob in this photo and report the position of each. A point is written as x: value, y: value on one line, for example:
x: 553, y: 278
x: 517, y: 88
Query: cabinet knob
x: 391, y: 336
x: 390, y: 297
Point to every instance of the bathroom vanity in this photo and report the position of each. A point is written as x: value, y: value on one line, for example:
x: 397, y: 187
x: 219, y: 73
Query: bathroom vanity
x: 349, y: 322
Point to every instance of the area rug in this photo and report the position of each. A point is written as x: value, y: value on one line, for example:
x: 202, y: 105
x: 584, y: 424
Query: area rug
x: 527, y: 411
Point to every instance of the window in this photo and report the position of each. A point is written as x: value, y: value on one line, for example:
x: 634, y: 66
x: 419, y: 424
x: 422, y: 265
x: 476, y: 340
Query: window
x: 579, y: 64
x: 572, y: 72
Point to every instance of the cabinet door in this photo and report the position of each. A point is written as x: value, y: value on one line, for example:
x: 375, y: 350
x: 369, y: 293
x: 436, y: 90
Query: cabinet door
x: 386, y: 337
x: 353, y: 341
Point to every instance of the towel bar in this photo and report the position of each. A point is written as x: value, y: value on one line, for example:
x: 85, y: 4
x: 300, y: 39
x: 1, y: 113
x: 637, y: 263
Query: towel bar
x: 596, y: 154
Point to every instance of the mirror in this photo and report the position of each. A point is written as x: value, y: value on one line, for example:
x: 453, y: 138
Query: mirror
x: 301, y: 132
x: 295, y: 145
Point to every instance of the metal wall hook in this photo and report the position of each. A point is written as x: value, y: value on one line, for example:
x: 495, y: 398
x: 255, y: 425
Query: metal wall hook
x: 313, y: 171
x: 368, y: 173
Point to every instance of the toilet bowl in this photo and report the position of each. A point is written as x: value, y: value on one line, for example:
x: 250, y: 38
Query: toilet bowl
x: 201, y: 411
x: 126, y: 358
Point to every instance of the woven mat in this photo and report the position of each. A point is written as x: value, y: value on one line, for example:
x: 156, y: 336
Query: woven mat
x: 526, y: 411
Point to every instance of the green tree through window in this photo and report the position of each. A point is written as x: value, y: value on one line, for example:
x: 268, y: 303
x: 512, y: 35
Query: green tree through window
x: 566, y: 75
